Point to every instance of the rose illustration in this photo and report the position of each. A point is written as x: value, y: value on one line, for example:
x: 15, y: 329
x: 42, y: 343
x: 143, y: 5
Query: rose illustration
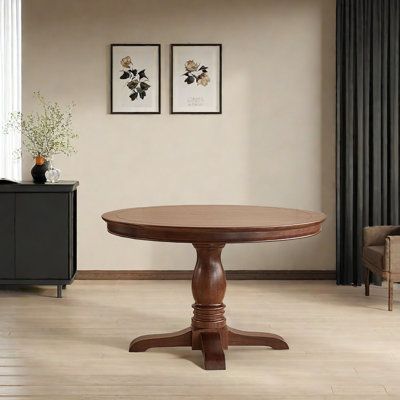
x: 137, y: 81
x: 195, y: 74
x: 191, y: 66
x: 132, y: 84
x: 203, y: 79
x: 126, y: 62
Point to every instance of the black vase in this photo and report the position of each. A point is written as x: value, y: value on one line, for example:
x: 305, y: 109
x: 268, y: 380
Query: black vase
x: 38, y: 172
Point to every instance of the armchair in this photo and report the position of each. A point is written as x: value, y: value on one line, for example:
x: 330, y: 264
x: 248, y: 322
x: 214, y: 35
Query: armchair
x: 381, y: 255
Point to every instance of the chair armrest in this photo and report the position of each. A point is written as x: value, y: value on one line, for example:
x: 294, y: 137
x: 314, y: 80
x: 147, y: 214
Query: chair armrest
x: 392, y: 253
x: 376, y: 235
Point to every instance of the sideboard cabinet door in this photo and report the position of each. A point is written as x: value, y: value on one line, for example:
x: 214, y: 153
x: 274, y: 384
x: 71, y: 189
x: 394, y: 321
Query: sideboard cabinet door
x: 42, y: 245
x: 7, y: 238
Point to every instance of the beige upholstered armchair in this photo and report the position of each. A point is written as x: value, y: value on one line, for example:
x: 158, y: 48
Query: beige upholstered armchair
x: 381, y: 255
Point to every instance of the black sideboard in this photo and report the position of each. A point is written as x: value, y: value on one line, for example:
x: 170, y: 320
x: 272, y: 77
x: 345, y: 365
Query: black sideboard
x: 38, y: 234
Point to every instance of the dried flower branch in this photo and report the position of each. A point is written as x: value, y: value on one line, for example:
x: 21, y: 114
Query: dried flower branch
x: 46, y: 132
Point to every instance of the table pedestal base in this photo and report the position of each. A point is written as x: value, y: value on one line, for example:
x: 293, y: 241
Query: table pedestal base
x: 211, y: 343
x: 209, y: 332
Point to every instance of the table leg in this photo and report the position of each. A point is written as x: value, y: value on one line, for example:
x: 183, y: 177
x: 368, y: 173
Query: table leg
x: 209, y: 332
x: 211, y: 347
x: 173, y: 339
x: 237, y: 337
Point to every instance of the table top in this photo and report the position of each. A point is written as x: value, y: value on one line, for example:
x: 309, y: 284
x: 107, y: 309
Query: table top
x: 213, y: 223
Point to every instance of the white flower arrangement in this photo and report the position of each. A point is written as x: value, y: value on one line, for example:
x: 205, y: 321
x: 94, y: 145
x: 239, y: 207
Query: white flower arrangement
x: 44, y: 133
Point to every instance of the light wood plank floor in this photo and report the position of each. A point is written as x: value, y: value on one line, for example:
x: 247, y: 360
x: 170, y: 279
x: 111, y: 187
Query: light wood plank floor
x: 342, y: 345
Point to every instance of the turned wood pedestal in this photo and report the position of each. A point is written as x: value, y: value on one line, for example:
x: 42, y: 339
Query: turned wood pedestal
x: 209, y: 332
x: 209, y: 228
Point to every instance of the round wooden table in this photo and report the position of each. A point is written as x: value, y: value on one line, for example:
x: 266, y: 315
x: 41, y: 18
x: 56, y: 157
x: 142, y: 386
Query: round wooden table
x: 209, y: 228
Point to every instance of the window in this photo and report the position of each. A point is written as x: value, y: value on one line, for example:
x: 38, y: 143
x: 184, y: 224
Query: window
x: 10, y: 84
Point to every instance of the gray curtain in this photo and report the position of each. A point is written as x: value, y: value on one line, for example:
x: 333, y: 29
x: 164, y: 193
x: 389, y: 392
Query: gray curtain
x: 367, y: 125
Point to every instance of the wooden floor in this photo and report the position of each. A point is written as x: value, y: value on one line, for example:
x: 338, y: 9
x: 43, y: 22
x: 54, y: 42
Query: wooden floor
x: 342, y: 345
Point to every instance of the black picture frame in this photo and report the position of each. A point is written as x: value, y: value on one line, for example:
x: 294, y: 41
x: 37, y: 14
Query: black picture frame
x: 172, y: 75
x: 112, y: 46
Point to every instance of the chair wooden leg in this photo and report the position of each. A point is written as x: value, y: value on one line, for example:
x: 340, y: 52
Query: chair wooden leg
x: 390, y: 297
x: 366, y: 280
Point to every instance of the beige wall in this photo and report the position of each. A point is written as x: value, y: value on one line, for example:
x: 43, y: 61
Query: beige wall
x: 273, y: 144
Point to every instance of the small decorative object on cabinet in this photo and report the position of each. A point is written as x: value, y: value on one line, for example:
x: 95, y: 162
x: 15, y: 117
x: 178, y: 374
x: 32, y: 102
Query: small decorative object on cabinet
x: 52, y: 174
x: 38, y: 234
x: 44, y: 134
x: 39, y: 170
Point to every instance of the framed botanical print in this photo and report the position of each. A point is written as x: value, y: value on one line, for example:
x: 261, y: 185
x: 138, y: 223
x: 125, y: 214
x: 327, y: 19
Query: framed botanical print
x: 196, y: 78
x: 135, y: 79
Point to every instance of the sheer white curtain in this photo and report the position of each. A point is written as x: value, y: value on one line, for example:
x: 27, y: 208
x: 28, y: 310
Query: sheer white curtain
x: 10, y: 84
